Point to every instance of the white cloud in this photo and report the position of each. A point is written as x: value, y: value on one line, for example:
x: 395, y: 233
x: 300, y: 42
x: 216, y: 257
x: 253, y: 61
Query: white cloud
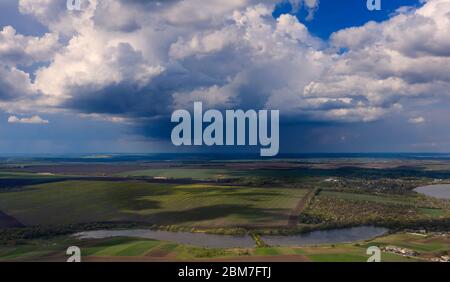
x: 55, y: 16
x: 390, y: 63
x: 310, y: 5
x: 18, y: 52
x: 18, y: 49
x: 31, y: 120
x: 154, y: 57
x: 221, y: 97
x: 193, y: 11
x: 15, y: 84
x: 417, y: 120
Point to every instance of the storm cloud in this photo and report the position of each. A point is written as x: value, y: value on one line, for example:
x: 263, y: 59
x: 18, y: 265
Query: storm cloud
x: 139, y: 60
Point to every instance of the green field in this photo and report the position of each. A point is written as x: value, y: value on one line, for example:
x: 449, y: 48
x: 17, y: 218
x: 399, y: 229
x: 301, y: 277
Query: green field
x: 132, y: 249
x: 187, y: 173
x: 168, y: 204
x: 40, y: 210
x: 120, y: 247
x: 420, y: 243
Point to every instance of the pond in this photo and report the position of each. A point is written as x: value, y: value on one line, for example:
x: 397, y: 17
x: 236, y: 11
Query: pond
x: 332, y: 236
x: 196, y: 239
x: 441, y: 191
x: 229, y: 241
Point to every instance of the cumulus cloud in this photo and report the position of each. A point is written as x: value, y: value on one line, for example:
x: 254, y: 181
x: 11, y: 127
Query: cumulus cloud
x: 31, y: 120
x: 17, y: 53
x: 18, y: 49
x: 155, y: 56
x: 387, y: 63
x: 111, y: 69
x: 14, y: 84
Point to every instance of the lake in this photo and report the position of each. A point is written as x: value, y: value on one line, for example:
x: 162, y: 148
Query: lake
x: 196, y: 239
x: 230, y: 241
x: 440, y: 191
x: 333, y: 236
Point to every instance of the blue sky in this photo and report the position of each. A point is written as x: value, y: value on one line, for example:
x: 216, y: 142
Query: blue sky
x: 332, y: 16
x: 79, y: 82
x: 24, y: 24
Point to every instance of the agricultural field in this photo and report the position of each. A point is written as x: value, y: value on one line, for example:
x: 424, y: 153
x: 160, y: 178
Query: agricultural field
x: 133, y: 249
x: 426, y: 245
x: 71, y: 202
x: 43, y: 205
x: 197, y: 174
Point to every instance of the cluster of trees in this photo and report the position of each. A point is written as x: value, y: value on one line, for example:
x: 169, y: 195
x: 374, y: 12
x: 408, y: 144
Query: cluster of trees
x: 328, y: 211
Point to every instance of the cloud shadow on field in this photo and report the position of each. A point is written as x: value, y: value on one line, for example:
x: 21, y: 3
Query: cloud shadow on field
x: 253, y: 215
x: 144, y: 204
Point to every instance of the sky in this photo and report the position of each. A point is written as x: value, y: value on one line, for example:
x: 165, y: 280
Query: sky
x: 106, y: 79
